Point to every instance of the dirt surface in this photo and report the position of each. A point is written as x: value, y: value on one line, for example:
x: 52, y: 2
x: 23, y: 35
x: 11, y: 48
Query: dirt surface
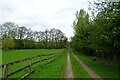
x: 68, y: 71
x: 90, y: 72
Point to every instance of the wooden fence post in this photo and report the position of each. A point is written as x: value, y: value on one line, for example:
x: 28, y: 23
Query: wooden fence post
x: 5, y: 72
x: 30, y: 63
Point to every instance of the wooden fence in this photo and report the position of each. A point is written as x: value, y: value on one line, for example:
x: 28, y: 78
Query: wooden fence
x: 49, y: 58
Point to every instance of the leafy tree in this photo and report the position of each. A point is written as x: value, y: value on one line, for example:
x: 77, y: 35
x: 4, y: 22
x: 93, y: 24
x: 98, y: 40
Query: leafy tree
x: 25, y: 38
x: 8, y: 43
x: 82, y: 31
x: 10, y: 30
x: 98, y: 34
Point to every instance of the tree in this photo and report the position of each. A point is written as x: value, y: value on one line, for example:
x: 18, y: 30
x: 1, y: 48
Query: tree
x: 21, y: 32
x: 8, y: 43
x: 25, y: 38
x: 99, y: 34
x: 9, y: 30
x: 82, y: 31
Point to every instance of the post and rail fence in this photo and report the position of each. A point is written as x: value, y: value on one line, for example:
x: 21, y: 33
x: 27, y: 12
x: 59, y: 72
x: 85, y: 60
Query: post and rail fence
x: 49, y: 58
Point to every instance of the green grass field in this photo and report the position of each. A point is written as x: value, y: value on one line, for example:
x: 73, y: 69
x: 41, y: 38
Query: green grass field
x: 53, y: 70
x: 13, y: 55
x: 56, y: 69
x: 102, y: 69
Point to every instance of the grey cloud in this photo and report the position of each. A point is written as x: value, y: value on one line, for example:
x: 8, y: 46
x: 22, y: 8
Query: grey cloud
x: 42, y: 14
x: 7, y: 7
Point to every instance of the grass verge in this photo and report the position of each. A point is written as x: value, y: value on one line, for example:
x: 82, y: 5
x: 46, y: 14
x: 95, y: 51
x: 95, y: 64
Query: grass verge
x: 103, y: 70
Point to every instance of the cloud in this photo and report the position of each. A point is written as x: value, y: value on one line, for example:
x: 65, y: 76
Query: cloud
x: 42, y: 14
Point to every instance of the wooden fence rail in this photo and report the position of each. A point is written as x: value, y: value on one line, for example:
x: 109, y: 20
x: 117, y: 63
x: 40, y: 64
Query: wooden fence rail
x: 50, y: 58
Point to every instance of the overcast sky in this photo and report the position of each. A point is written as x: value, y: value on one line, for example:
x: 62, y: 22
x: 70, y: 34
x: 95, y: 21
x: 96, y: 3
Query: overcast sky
x: 42, y: 14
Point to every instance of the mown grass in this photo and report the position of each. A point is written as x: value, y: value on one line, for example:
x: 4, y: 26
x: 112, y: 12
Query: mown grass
x: 103, y: 70
x: 53, y: 70
x: 78, y: 70
x: 13, y: 55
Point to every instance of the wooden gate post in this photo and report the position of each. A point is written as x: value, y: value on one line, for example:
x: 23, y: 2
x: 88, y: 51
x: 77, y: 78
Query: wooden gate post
x: 5, y: 72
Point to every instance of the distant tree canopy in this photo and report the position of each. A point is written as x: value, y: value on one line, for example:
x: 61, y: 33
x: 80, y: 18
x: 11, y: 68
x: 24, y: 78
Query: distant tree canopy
x: 98, y: 35
x: 8, y: 43
x: 16, y: 37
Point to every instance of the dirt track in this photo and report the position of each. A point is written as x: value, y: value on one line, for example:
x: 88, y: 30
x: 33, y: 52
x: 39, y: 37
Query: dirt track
x: 68, y: 71
x: 90, y: 72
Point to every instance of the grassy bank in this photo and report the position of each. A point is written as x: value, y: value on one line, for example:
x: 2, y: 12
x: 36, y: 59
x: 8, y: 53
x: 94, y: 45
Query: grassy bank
x: 102, y: 69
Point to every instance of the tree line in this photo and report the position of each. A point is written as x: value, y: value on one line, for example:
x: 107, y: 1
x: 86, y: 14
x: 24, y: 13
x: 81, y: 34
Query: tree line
x: 98, y: 35
x: 20, y: 37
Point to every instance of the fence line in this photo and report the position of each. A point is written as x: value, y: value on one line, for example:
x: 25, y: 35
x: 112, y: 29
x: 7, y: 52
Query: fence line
x: 50, y: 57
